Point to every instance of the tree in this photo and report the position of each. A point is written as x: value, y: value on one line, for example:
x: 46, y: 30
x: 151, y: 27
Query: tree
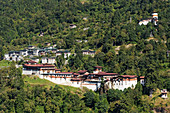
x: 113, y: 95
x: 102, y: 105
x: 90, y: 99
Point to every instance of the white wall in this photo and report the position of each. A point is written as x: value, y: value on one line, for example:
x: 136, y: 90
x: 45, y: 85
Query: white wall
x: 124, y: 84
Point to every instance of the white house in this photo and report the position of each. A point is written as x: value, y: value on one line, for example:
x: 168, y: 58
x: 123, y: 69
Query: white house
x: 72, y: 26
x: 142, y: 80
x: 24, y: 52
x: 164, y: 93
x: 145, y: 22
x: 88, y: 52
x: 65, y: 52
x: 50, y: 60
x: 6, y: 57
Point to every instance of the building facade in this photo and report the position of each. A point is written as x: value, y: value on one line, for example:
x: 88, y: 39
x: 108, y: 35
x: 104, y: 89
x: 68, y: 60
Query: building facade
x: 82, y: 78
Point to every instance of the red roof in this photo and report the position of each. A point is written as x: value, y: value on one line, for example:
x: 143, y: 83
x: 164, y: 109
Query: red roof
x: 38, y: 65
x: 86, y: 74
x: 75, y: 79
x: 93, y: 73
x: 58, y: 69
x: 129, y: 76
x: 104, y: 73
x: 98, y: 66
x: 65, y: 73
x: 76, y: 74
x: 82, y: 71
x: 31, y: 61
x: 142, y: 77
x: 47, y: 68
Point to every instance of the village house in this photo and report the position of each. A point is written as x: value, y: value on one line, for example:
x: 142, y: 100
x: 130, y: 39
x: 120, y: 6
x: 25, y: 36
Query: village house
x: 72, y: 26
x: 142, y: 80
x: 50, y: 60
x: 164, y: 93
x: 47, y: 44
x: 35, y: 52
x: 41, y: 52
x: 88, y: 52
x: 30, y: 53
x: 145, y: 22
x: 13, y: 56
x: 84, y: 29
x: 6, y: 57
x: 24, y: 52
x: 31, y: 47
x: 65, y: 52
x: 154, y: 19
x: 84, y: 18
x: 41, y: 34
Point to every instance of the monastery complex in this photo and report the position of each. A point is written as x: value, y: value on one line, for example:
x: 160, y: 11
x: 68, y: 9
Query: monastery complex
x: 81, y: 79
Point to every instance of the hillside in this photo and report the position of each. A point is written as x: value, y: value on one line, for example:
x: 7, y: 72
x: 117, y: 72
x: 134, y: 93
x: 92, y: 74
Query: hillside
x: 110, y: 28
x: 36, y: 81
x: 21, y: 23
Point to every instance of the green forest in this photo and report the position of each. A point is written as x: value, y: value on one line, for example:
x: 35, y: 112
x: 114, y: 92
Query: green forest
x: 105, y: 25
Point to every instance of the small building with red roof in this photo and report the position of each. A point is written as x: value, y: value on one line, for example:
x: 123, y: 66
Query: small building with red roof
x: 142, y: 80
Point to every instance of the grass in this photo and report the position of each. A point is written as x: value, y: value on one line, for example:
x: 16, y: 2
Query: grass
x: 34, y: 80
x: 4, y: 63
x: 83, y: 1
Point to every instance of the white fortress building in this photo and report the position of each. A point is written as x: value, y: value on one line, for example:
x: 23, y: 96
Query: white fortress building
x: 82, y: 78
x: 154, y: 19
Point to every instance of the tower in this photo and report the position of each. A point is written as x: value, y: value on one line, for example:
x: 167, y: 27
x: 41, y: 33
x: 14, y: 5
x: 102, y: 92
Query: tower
x: 155, y: 18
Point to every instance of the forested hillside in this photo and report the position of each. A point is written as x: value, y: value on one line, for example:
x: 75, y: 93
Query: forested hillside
x: 108, y: 22
x: 101, y: 25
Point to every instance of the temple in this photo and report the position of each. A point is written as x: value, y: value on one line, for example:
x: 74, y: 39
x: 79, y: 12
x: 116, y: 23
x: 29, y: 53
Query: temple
x: 82, y: 78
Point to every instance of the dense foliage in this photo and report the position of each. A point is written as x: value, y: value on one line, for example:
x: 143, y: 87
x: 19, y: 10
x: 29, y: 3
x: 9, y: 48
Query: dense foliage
x: 106, y: 25
x: 108, y: 22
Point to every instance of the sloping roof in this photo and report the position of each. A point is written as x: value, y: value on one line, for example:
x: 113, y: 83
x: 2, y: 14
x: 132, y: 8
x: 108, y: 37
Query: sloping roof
x: 82, y: 71
x: 104, y: 73
x: 31, y: 61
x: 38, y: 65
x: 128, y: 76
x: 76, y: 74
x: 142, y: 77
x: 98, y: 66
x: 75, y: 79
x: 65, y: 73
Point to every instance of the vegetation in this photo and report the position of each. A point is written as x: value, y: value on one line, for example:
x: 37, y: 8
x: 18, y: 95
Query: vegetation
x: 105, y: 25
x: 36, y: 81
x: 4, y: 63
